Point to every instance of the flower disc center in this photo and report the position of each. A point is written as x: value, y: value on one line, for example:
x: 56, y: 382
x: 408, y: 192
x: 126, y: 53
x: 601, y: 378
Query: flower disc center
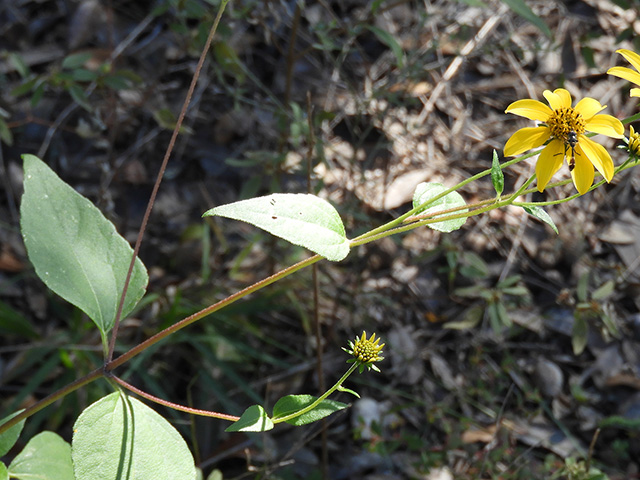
x: 563, y: 121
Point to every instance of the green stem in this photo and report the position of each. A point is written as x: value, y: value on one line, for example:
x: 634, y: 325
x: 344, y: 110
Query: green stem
x: 319, y: 400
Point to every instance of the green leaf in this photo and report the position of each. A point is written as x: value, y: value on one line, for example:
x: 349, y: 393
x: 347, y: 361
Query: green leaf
x: 10, y: 437
x: 348, y: 390
x: 18, y: 63
x: 254, y: 419
x: 75, y: 250
x: 75, y: 60
x: 470, y: 319
x: 4, y: 473
x: 604, y: 290
x: 46, y: 457
x: 294, y: 403
x: 5, y: 133
x: 120, y: 437
x: 14, y: 323
x: 521, y: 8
x: 304, y: 220
x: 426, y: 191
x: 580, y: 334
x: 390, y: 41
x: 77, y: 93
x: 497, y: 177
x: 540, y: 214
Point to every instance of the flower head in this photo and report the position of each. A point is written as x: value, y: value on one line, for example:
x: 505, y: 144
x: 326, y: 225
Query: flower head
x: 634, y: 142
x: 365, y: 351
x: 565, y: 126
x: 626, y: 73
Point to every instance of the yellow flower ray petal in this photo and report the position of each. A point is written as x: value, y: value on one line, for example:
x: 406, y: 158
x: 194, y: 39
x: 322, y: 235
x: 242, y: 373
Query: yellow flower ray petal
x: 605, y: 125
x: 632, y: 57
x: 549, y: 162
x: 531, y: 109
x: 597, y: 155
x: 625, y: 73
x: 559, y: 98
x: 635, y: 92
x: 525, y: 139
x: 582, y: 175
x: 588, y: 107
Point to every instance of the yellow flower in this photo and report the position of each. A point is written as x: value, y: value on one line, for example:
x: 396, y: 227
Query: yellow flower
x: 365, y: 351
x: 565, y: 126
x: 634, y: 142
x: 626, y: 73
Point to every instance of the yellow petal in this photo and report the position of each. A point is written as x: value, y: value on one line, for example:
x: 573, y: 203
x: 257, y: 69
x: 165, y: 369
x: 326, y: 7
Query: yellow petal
x: 526, y: 139
x: 559, y: 98
x: 605, y: 125
x: 632, y: 57
x: 549, y: 162
x: 531, y: 109
x: 597, y: 155
x: 626, y: 73
x: 582, y: 174
x: 588, y: 107
x: 635, y: 92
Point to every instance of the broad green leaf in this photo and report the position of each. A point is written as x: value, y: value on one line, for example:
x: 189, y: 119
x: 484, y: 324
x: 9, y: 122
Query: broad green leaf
x: 75, y: 250
x: 521, y: 8
x: 497, y: 177
x: 119, y: 437
x: 304, y: 220
x: 4, y: 473
x: 294, y: 403
x: 540, y: 214
x: 254, y: 419
x: 46, y: 457
x: 425, y: 191
x: 10, y: 437
x: 580, y: 334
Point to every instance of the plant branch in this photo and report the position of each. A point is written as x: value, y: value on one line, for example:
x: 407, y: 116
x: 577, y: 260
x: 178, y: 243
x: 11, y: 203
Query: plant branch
x: 174, y: 406
x: 156, y: 186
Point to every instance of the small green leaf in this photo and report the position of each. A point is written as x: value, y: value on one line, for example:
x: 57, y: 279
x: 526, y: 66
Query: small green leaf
x: 497, y: 177
x: 75, y: 250
x: 294, y: 403
x: 470, y: 319
x: 10, y: 437
x: 521, y: 8
x: 580, y: 334
x: 18, y: 63
x: 426, y: 191
x: 254, y: 419
x: 77, y: 93
x: 604, y: 290
x: 304, y: 220
x: 119, y: 437
x: 540, y: 214
x: 348, y: 390
x: 75, y: 60
x: 4, y: 473
x: 5, y: 133
x: 46, y: 457
x: 390, y: 41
